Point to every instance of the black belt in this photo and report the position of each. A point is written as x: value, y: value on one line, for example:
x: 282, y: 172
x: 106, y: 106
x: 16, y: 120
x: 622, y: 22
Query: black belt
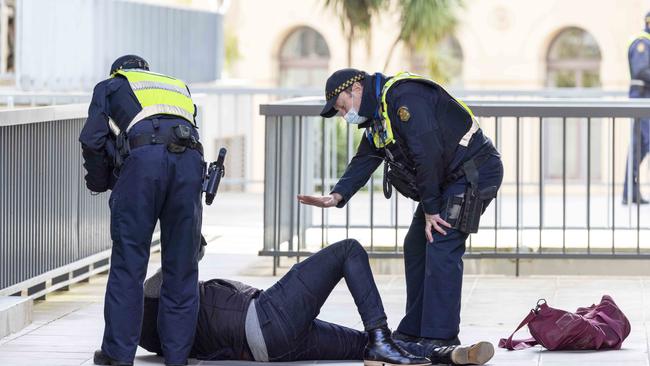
x: 170, y: 141
x: 478, y: 159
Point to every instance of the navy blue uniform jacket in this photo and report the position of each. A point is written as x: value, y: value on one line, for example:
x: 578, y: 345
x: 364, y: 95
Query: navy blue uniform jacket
x: 430, y: 137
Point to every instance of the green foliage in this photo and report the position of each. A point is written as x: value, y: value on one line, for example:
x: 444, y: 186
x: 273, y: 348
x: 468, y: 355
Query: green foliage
x: 356, y: 19
x: 231, y: 50
x: 424, y: 24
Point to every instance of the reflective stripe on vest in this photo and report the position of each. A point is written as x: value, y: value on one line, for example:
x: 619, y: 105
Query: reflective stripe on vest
x: 158, y: 94
x: 384, y: 138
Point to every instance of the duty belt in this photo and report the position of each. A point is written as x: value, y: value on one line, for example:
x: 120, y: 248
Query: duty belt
x: 172, y: 142
x: 480, y: 158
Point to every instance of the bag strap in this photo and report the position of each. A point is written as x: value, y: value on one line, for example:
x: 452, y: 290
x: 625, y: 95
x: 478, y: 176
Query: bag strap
x: 519, y: 344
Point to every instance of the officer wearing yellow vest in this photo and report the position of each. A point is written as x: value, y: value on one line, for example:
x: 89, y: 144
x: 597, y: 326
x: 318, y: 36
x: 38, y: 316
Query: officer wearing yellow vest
x: 639, y: 60
x: 140, y: 140
x: 435, y: 153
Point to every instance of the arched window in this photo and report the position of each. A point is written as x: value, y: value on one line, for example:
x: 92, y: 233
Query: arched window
x: 445, y: 62
x: 304, y: 59
x: 573, y: 60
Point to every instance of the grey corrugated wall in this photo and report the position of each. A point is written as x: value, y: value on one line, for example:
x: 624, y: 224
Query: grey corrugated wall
x: 47, y: 216
x: 67, y: 45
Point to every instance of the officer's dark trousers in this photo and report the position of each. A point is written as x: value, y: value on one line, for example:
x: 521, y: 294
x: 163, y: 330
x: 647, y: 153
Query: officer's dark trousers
x: 154, y: 184
x: 287, y: 311
x: 640, y: 147
x: 434, y: 271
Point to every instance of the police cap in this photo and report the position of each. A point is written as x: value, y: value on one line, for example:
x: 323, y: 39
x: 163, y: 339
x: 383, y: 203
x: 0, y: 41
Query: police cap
x: 336, y: 83
x: 129, y: 62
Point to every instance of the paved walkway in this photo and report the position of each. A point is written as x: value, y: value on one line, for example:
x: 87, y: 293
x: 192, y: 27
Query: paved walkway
x: 67, y: 327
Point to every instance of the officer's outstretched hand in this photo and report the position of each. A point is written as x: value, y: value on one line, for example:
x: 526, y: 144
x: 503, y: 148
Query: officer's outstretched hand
x: 434, y: 221
x: 320, y: 201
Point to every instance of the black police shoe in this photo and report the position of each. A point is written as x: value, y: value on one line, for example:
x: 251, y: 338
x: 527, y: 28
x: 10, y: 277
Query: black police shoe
x: 432, y: 342
x: 636, y: 200
x: 100, y: 358
x: 399, y: 336
x: 476, y: 354
x: 381, y: 350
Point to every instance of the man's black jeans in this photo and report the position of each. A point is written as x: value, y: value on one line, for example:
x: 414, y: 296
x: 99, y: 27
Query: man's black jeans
x: 287, y: 311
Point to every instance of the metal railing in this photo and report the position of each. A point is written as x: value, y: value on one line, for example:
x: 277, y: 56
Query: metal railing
x: 564, y: 162
x: 52, y: 231
x: 228, y: 115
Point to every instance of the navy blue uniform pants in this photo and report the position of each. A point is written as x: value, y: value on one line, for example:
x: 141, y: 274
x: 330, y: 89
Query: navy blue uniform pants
x: 287, y: 311
x: 434, y: 271
x: 154, y: 184
x: 640, y: 148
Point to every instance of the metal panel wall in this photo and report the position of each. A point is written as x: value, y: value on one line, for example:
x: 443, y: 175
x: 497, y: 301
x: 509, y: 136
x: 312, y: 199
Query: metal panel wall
x: 70, y: 44
x: 47, y: 217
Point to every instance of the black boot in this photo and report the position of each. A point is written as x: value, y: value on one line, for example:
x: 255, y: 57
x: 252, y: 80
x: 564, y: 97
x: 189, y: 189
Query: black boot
x: 476, y: 354
x: 381, y: 350
x: 432, y: 342
x: 100, y: 358
x: 399, y: 336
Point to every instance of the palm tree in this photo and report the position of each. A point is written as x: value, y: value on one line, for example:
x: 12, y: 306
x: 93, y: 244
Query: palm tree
x: 356, y: 16
x: 423, y: 24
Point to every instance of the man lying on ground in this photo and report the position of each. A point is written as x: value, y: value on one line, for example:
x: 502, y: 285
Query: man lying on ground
x: 239, y: 322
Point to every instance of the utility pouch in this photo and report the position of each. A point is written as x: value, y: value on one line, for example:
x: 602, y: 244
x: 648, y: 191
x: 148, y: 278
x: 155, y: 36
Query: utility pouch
x: 183, y: 132
x: 395, y: 175
x: 398, y: 174
x: 183, y: 137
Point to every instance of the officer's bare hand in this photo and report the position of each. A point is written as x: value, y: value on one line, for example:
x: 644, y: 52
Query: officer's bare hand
x: 321, y: 201
x: 436, y: 222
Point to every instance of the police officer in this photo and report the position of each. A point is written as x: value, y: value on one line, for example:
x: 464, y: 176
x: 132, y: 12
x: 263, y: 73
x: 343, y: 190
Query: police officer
x: 434, y: 153
x: 639, y: 58
x: 140, y: 140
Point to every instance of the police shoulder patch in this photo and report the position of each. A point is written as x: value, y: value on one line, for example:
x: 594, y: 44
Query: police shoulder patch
x: 404, y: 114
x: 640, y: 47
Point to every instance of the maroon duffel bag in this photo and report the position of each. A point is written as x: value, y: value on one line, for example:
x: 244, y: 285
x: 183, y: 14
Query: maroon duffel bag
x: 602, y: 326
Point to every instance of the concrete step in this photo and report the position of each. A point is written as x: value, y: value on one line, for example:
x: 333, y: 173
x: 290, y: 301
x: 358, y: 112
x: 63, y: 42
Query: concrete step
x: 15, y: 314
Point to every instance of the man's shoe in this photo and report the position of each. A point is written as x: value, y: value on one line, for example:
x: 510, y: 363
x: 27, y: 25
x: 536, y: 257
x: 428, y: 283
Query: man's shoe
x: 100, y: 358
x: 476, y: 354
x: 381, y: 350
x: 399, y: 336
x: 440, y: 342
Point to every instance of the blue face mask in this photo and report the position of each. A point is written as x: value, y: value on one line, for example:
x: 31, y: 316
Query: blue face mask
x: 353, y: 117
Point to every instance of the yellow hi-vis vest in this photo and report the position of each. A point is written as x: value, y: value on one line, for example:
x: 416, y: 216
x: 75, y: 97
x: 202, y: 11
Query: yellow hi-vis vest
x: 382, y: 136
x: 157, y: 94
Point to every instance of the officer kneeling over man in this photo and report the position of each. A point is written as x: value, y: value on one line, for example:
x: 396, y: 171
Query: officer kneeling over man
x: 239, y: 322
x: 140, y: 141
x: 434, y: 153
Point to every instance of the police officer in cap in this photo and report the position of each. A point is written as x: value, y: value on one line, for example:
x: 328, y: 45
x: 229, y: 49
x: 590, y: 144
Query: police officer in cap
x: 140, y: 140
x: 639, y: 58
x: 435, y: 153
